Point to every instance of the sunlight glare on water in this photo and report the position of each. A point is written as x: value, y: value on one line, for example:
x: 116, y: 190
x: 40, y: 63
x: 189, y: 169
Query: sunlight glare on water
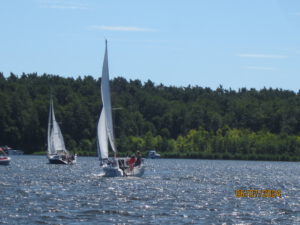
x: 172, y: 191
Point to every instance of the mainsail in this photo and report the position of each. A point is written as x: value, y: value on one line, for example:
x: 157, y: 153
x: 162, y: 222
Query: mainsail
x: 55, y: 138
x: 105, y: 124
x: 102, y: 145
x: 50, y: 148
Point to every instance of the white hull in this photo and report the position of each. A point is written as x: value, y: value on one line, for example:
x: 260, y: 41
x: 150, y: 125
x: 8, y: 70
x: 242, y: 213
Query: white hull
x: 123, y: 170
x: 117, y: 172
x: 152, y: 154
x: 137, y: 171
x: 4, y: 160
x: 112, y: 172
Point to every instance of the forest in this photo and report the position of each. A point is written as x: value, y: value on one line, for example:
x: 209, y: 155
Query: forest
x: 179, y: 122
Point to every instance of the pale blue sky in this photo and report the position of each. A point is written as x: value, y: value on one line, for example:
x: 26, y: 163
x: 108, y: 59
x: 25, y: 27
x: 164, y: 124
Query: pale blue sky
x: 235, y: 43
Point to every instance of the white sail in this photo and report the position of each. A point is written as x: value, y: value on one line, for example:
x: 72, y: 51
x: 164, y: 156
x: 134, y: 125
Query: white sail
x: 55, y: 138
x: 117, y: 166
x: 105, y: 93
x: 50, y: 149
x: 102, y: 145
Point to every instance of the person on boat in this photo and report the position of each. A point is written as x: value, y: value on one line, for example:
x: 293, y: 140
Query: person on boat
x: 62, y: 155
x: 131, y: 162
x: 114, y: 162
x: 138, y: 161
x: 70, y: 157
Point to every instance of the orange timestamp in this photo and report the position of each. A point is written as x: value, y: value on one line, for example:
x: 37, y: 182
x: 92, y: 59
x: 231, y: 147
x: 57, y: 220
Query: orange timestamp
x: 268, y: 193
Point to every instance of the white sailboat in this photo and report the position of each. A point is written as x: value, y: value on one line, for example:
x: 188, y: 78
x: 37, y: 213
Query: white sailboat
x: 105, y: 134
x: 57, y: 152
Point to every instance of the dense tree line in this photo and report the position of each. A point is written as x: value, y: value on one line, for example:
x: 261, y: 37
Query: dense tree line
x: 177, y: 121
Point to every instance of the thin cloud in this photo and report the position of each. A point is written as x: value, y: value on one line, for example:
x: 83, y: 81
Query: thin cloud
x: 63, y: 4
x: 65, y: 7
x: 260, y: 68
x: 121, y: 28
x: 142, y: 41
x: 262, y: 56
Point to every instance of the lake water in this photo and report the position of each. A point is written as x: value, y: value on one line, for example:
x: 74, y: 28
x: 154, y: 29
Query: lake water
x: 172, y: 191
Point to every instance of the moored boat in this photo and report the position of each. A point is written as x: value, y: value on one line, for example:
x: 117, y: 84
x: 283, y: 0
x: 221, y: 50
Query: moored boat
x: 152, y: 154
x: 4, y: 158
x: 10, y: 151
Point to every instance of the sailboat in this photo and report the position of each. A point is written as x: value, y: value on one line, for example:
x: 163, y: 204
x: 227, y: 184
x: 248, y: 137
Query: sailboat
x: 57, y: 152
x: 4, y: 158
x: 114, y: 167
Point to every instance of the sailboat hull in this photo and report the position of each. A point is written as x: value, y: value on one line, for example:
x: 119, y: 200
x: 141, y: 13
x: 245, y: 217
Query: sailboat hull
x: 57, y: 159
x: 113, y: 172
x: 122, y: 169
x: 135, y: 172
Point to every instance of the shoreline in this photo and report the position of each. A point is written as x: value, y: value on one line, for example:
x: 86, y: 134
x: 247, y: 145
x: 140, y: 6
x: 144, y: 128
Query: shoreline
x: 275, y: 158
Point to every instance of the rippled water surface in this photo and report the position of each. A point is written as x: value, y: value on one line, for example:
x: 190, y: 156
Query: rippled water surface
x: 172, y: 191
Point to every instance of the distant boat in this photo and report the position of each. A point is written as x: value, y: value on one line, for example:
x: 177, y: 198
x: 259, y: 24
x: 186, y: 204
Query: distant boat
x: 114, y: 167
x: 4, y: 158
x: 152, y: 154
x: 15, y: 152
x: 57, y: 152
x: 10, y: 151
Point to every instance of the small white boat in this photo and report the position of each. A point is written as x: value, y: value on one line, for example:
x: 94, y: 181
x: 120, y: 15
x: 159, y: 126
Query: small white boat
x: 114, y: 167
x: 4, y: 158
x: 11, y: 151
x: 57, y: 152
x: 15, y: 152
x: 152, y: 154
x: 62, y: 158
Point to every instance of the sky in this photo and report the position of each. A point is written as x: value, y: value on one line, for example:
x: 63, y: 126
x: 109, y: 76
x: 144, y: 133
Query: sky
x: 233, y: 43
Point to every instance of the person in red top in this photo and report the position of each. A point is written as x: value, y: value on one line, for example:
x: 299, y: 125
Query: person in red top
x: 131, y: 162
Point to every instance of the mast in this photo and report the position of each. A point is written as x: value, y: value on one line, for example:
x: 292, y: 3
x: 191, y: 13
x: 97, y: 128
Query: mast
x: 49, y: 128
